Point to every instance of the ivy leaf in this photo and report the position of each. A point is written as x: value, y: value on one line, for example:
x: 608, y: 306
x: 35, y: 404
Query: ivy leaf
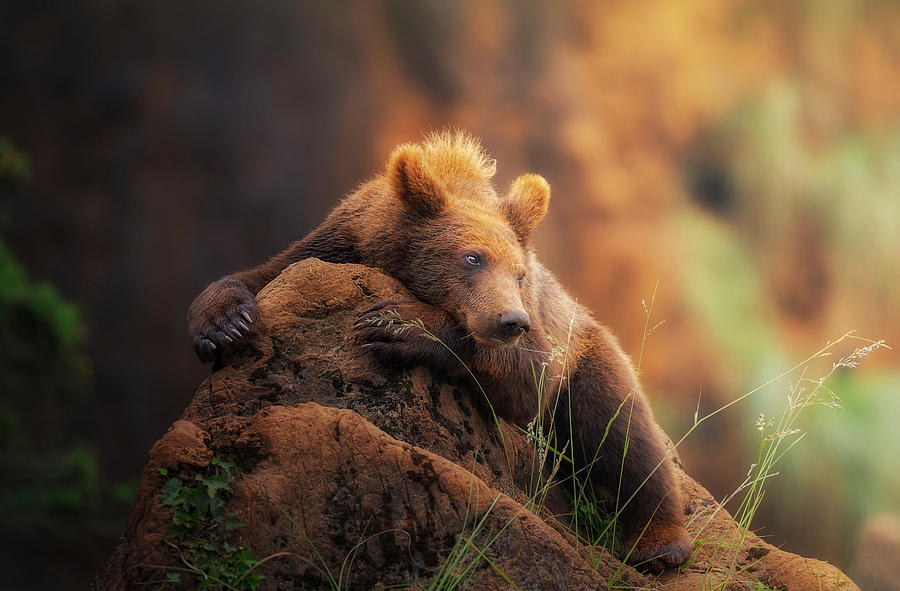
x: 216, y: 483
x: 199, y: 500
x: 170, y: 491
x: 227, y: 466
x: 202, y: 530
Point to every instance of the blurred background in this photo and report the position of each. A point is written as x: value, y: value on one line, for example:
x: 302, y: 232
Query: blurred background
x: 743, y: 155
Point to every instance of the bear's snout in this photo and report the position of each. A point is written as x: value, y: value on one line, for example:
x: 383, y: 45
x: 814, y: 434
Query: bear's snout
x: 512, y: 323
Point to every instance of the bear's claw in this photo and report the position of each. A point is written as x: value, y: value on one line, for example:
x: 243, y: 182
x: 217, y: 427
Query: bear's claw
x: 378, y: 324
x: 216, y: 318
x: 382, y: 329
x: 655, y: 556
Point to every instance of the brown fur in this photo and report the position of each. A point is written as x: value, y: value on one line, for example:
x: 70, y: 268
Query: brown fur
x: 421, y: 222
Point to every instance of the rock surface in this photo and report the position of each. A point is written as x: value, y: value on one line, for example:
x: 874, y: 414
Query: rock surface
x: 373, y: 474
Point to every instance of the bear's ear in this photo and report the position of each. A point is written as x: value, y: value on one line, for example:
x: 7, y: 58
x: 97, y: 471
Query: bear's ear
x: 411, y: 182
x: 526, y: 204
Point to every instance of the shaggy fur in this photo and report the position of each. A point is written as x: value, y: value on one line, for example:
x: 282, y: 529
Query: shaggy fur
x: 435, y: 222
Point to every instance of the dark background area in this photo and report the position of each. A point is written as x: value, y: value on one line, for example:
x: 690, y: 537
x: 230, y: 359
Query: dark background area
x: 743, y: 155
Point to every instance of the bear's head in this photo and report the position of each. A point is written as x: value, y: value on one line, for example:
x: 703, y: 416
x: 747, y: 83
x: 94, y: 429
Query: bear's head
x: 466, y: 247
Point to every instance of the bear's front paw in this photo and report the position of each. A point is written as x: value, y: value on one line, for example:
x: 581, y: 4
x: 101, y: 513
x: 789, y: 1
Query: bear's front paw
x: 393, y: 331
x: 221, y: 317
x: 661, y: 547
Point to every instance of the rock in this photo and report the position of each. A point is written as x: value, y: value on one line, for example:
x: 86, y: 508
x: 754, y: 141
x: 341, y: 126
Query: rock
x: 371, y: 475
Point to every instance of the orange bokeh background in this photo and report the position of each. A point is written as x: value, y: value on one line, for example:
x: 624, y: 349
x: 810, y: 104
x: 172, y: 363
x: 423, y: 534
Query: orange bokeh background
x: 739, y: 158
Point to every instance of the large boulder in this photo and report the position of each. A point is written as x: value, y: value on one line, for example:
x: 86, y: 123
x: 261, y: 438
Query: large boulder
x: 354, y: 475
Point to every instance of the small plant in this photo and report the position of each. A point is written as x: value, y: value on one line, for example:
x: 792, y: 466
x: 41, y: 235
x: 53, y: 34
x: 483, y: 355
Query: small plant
x: 596, y: 527
x: 342, y: 581
x: 778, y: 436
x: 466, y: 554
x: 202, y: 531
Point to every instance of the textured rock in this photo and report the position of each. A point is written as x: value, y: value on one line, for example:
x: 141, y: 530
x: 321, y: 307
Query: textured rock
x: 344, y: 459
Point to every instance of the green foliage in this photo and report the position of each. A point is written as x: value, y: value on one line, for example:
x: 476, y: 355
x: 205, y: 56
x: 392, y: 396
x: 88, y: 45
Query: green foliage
x: 41, y: 336
x: 52, y: 490
x: 807, y: 211
x: 124, y: 491
x: 594, y: 523
x: 847, y: 454
x: 842, y: 186
x: 67, y: 485
x: 726, y: 295
x: 467, y: 554
x: 202, y: 531
x: 14, y: 166
x: 45, y: 472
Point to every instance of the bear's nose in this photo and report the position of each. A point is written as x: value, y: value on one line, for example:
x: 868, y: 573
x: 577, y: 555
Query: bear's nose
x: 514, y: 322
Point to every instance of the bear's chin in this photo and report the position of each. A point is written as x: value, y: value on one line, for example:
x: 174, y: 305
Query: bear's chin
x: 494, y: 342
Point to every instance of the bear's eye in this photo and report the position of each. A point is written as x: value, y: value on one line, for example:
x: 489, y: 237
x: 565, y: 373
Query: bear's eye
x: 522, y: 279
x: 473, y: 260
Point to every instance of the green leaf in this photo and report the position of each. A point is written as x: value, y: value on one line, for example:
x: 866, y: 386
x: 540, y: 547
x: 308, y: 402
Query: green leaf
x: 202, y: 529
x: 171, y: 491
x: 216, y: 483
x: 199, y: 499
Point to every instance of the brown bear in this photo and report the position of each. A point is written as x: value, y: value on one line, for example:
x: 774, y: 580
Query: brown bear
x: 435, y: 222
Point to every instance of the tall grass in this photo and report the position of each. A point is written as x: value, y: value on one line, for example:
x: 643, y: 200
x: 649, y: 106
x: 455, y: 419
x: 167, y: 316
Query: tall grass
x: 598, y: 531
x: 777, y: 436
